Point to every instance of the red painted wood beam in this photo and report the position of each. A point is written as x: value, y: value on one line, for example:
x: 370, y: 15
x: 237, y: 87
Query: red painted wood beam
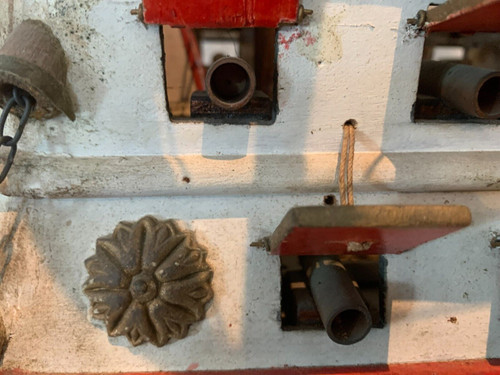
x: 367, y: 241
x: 482, y: 16
x: 478, y: 367
x: 221, y: 13
x: 385, y: 229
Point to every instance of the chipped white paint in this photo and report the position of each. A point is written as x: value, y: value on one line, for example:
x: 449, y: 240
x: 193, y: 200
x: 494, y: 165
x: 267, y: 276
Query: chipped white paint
x: 354, y: 59
x: 46, y: 312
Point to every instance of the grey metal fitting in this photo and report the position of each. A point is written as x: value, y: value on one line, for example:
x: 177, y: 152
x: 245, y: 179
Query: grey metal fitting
x: 343, y: 312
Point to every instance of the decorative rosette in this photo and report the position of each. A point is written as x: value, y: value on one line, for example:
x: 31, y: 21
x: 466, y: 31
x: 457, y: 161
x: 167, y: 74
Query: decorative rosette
x: 149, y: 281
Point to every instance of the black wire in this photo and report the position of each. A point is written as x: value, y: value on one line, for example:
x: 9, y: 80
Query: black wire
x: 21, y: 99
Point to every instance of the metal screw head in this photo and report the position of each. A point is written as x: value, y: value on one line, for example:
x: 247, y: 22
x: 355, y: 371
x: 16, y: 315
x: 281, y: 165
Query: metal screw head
x: 303, y: 13
x: 419, y: 20
x: 139, y: 12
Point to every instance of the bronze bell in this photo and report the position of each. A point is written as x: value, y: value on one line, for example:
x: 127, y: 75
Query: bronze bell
x: 33, y: 59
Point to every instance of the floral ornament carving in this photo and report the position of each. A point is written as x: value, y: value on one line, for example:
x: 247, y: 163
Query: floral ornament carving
x: 148, y: 281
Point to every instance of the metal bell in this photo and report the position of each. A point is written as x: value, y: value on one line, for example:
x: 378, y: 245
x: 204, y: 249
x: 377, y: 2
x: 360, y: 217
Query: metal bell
x: 33, y: 59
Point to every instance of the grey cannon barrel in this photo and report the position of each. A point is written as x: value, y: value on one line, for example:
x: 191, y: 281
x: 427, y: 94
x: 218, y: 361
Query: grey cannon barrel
x: 343, y: 312
x: 469, y: 89
x: 230, y: 83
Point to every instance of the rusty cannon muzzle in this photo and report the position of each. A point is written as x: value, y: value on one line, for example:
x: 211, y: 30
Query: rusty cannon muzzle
x: 230, y: 83
x: 469, y: 89
x: 343, y: 312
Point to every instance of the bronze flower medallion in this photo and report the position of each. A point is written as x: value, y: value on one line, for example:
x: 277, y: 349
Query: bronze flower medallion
x: 149, y: 281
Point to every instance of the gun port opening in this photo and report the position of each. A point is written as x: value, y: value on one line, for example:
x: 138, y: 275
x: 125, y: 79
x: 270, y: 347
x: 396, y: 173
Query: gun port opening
x: 200, y: 88
x: 459, y: 78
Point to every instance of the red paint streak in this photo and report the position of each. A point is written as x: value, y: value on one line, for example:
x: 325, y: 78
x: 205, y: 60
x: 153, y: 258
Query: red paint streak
x: 286, y: 42
x: 479, y: 367
x: 221, y: 13
x: 193, y: 366
x: 335, y: 240
x: 308, y: 38
x: 194, y: 56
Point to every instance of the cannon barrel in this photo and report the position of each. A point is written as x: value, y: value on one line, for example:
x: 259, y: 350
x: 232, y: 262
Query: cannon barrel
x: 230, y: 83
x: 343, y: 312
x: 469, y: 89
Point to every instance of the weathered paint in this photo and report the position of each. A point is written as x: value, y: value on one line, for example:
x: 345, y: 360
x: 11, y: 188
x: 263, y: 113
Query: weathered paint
x: 221, y: 14
x: 58, y: 176
x: 46, y: 313
x: 465, y: 17
x: 364, y: 229
x: 482, y: 367
x: 363, y: 65
x: 337, y: 241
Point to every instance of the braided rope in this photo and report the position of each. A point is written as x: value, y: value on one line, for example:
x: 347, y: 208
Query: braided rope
x: 347, y: 159
x: 343, y: 160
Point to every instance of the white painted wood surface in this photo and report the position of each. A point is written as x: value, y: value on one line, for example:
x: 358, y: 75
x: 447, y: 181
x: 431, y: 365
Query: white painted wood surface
x: 355, y: 59
x: 45, y: 310
x: 253, y: 174
x: 363, y: 65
